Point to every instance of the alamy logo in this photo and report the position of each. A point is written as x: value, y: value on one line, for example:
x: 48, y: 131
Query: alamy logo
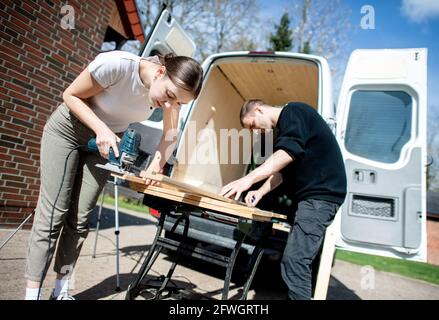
x: 368, y: 278
x: 368, y: 19
x: 210, y: 146
x: 68, y: 20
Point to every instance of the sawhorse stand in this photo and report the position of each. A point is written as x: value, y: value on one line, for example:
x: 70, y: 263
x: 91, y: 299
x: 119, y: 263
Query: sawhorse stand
x: 161, y: 287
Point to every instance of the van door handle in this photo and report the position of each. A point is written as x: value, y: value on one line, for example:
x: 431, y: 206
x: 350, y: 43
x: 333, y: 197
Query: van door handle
x: 365, y: 176
x: 372, y: 177
x: 359, y: 176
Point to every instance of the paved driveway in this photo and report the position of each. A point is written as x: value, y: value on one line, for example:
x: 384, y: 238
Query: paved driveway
x: 95, y: 278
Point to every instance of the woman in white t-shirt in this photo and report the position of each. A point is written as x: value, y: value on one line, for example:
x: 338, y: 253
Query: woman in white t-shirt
x: 116, y: 89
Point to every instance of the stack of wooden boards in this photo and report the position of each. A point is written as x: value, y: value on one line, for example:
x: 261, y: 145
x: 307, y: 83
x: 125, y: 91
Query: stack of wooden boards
x: 182, y: 192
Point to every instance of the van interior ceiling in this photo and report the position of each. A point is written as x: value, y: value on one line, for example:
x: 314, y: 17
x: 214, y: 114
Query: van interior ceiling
x: 227, y: 85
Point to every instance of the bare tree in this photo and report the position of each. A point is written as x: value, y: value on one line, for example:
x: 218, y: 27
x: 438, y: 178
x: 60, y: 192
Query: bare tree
x: 323, y: 24
x: 185, y: 11
x: 231, y: 23
x: 215, y: 25
x: 321, y: 27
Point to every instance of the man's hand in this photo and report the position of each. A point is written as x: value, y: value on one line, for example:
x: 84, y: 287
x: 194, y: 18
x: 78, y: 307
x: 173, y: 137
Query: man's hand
x: 236, y: 188
x: 252, y: 198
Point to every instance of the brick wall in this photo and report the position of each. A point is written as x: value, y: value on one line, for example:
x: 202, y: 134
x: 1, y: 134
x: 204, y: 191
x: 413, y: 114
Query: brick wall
x: 38, y: 60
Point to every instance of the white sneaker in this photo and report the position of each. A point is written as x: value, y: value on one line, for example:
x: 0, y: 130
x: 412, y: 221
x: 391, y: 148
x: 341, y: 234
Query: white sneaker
x: 62, y: 296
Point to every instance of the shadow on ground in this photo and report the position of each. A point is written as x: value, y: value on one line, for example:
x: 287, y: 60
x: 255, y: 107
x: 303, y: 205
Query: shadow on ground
x: 267, y: 283
x: 338, y: 291
x: 108, y: 219
x: 107, y: 288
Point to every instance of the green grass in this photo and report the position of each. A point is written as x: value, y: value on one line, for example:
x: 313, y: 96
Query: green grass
x: 412, y: 269
x: 124, y: 203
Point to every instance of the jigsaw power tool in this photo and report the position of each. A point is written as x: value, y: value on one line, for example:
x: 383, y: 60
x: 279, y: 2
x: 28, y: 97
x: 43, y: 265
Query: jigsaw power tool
x: 128, y: 153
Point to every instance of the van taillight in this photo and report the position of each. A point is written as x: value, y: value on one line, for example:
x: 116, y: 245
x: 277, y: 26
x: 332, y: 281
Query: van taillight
x: 154, y: 212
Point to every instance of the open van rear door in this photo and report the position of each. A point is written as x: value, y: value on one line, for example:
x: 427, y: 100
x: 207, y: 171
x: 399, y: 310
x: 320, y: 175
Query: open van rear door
x: 166, y: 36
x: 381, y: 129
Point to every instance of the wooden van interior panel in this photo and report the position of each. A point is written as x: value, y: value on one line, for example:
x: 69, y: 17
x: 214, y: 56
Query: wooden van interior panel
x: 227, y: 87
x: 275, y: 83
x: 198, y: 159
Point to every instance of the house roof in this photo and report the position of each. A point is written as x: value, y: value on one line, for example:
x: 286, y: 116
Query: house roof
x: 130, y: 19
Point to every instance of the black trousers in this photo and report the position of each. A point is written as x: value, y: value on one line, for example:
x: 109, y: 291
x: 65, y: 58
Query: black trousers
x: 304, y: 241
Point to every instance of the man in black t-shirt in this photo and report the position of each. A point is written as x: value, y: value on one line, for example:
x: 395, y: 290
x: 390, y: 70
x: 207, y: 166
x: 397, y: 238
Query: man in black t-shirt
x: 308, y: 162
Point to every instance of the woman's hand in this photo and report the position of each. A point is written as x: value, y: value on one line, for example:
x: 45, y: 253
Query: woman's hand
x: 252, y: 198
x: 154, y: 167
x: 106, y: 139
x: 165, y: 147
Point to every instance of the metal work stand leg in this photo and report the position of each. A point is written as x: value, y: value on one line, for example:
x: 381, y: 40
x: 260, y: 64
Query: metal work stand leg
x: 154, y: 251
x: 116, y: 231
x: 256, y: 256
x: 184, y: 247
x: 156, y: 247
x: 231, y: 264
x: 98, y: 224
x: 184, y: 217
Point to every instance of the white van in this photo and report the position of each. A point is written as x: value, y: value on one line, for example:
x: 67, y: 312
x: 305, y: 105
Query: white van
x: 379, y: 122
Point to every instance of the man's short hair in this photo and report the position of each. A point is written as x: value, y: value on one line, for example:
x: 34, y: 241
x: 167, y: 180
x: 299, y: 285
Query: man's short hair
x: 248, y: 107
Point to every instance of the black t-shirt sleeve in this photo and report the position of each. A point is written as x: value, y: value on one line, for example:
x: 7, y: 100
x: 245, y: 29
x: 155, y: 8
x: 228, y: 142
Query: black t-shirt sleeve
x: 293, y: 148
x: 292, y: 133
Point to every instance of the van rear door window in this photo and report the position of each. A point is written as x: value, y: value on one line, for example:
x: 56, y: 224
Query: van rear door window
x: 379, y: 124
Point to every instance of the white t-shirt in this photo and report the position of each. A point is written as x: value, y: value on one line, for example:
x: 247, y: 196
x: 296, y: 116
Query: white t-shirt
x: 124, y: 99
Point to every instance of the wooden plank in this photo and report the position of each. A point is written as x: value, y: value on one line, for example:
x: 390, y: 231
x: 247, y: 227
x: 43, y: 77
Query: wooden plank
x: 206, y: 205
x: 181, y: 185
x: 201, y: 201
x: 281, y: 227
x: 326, y: 260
